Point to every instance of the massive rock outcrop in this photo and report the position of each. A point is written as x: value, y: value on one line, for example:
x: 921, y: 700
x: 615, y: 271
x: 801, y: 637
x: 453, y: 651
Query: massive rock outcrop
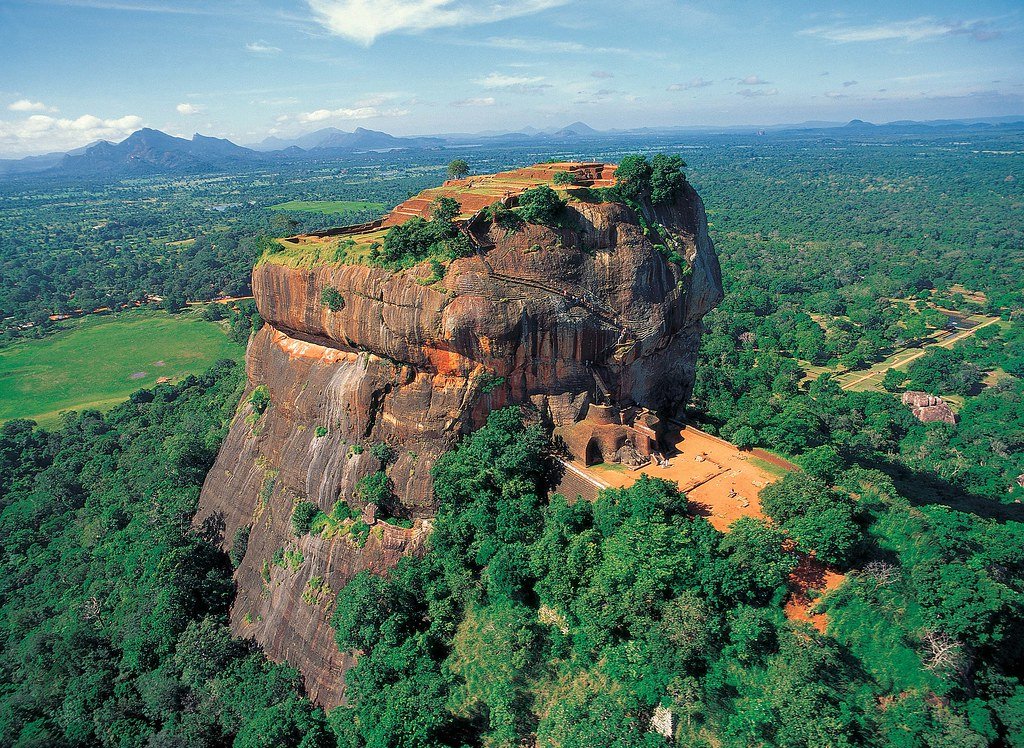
x: 589, y: 324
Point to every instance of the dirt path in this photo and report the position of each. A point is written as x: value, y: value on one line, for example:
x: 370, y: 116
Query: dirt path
x: 914, y: 355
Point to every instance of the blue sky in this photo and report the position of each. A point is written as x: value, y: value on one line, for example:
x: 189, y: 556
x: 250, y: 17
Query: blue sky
x: 73, y: 71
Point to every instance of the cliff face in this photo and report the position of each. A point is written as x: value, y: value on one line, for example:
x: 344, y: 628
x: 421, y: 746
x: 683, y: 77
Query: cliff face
x: 556, y: 318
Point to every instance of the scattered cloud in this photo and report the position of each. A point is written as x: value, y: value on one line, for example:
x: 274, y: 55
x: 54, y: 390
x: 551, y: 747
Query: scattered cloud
x: 914, y: 30
x: 40, y: 133
x: 537, y: 45
x: 693, y: 83
x: 188, y: 109
x: 751, y: 93
x: 752, y: 80
x: 285, y: 101
x: 478, y: 101
x: 262, y: 48
x: 514, y: 83
x: 602, y: 74
x: 344, y: 113
x: 374, y: 100
x: 520, y: 44
x: 136, y: 7
x: 27, y: 105
x: 363, y: 21
x: 847, y: 84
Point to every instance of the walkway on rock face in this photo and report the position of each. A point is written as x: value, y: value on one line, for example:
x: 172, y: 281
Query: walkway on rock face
x: 605, y: 315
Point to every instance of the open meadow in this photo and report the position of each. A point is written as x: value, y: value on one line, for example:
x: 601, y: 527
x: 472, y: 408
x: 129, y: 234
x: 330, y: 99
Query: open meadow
x: 100, y: 360
x: 327, y: 206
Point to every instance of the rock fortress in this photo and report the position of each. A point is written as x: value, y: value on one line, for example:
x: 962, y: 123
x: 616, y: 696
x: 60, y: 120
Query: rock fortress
x: 594, y: 323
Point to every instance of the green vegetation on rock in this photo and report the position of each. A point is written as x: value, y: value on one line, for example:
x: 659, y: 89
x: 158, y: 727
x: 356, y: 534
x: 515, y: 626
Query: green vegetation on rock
x: 417, y: 240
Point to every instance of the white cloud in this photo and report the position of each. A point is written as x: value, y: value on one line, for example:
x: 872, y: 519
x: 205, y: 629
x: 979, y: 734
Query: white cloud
x: 188, y: 109
x: 751, y: 93
x: 513, y: 83
x: 27, y: 105
x: 914, y: 30
x: 347, y: 113
x: 374, y: 100
x: 285, y: 101
x: 693, y: 83
x: 40, y: 133
x: 262, y: 48
x: 535, y: 45
x: 602, y: 74
x: 363, y: 21
x: 538, y: 45
x: 752, y: 80
x: 478, y: 101
x: 500, y: 80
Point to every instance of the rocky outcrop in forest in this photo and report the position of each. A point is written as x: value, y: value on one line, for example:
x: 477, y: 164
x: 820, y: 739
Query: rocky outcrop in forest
x: 362, y: 376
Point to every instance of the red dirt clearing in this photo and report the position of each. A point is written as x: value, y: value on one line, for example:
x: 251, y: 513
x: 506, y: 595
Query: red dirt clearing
x: 810, y: 575
x: 720, y: 481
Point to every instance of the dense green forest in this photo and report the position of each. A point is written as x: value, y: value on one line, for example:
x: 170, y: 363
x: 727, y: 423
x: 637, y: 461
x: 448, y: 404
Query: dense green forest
x: 114, y: 609
x: 526, y: 616
x: 574, y: 623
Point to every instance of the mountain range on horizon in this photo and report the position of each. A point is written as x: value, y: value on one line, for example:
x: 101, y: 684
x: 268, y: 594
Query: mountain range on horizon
x: 151, y: 150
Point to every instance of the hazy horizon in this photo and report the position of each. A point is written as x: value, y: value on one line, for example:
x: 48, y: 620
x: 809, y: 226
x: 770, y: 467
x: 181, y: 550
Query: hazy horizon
x: 77, y: 71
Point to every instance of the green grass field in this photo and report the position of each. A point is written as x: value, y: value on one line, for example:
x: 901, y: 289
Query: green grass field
x: 327, y: 206
x: 101, y: 360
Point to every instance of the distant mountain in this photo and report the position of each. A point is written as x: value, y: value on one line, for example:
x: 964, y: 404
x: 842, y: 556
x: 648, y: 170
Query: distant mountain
x: 331, y: 138
x: 153, y: 150
x: 149, y: 150
x: 576, y: 129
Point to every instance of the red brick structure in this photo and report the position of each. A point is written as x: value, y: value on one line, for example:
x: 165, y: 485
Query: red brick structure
x: 929, y: 408
x: 608, y: 433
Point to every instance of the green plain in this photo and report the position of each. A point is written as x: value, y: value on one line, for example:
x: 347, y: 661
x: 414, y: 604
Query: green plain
x: 99, y: 361
x: 327, y: 206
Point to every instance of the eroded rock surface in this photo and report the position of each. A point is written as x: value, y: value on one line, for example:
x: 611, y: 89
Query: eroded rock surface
x: 929, y: 408
x: 557, y: 318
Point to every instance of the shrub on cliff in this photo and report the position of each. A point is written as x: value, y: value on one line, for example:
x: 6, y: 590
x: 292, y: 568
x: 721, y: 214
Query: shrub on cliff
x: 332, y: 299
x: 417, y: 239
x: 541, y: 205
x: 239, y: 545
x: 302, y: 517
x: 667, y: 178
x: 660, y: 180
x: 505, y: 218
x: 458, y: 169
x: 384, y: 453
x: 376, y: 489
